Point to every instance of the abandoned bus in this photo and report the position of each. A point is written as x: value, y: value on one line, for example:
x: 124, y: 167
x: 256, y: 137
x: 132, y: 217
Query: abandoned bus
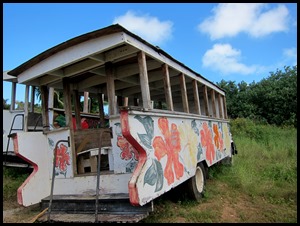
x: 14, y: 120
x: 158, y: 124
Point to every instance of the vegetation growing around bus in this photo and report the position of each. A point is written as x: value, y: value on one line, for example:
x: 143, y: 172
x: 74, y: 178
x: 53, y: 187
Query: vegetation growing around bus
x: 260, y: 186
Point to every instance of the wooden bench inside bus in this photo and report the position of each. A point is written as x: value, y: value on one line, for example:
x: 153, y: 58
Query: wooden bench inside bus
x: 86, y: 141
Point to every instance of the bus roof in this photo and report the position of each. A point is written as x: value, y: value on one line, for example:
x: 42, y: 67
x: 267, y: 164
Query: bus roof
x: 30, y: 71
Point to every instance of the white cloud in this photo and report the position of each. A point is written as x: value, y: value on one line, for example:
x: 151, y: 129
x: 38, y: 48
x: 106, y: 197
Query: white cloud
x: 290, y: 55
x: 224, y: 58
x: 230, y: 19
x: 149, y: 28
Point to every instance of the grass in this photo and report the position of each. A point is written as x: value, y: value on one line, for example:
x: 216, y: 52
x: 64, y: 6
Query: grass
x: 260, y: 187
x: 12, y: 179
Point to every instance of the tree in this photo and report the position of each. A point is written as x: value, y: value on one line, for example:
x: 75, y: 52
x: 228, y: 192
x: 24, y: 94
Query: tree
x: 5, y: 104
x: 272, y: 100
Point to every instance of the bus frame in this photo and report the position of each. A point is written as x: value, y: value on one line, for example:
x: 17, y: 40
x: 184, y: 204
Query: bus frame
x: 166, y: 125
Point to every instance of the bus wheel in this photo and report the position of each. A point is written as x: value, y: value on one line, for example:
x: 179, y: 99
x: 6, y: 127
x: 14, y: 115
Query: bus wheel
x: 196, y: 184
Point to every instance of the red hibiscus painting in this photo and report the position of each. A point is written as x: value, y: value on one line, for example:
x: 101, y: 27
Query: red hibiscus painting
x: 62, y: 158
x: 206, y: 141
x: 169, y: 145
x: 128, y: 152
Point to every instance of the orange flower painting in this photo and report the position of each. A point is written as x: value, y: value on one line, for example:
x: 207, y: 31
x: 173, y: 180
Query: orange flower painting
x: 218, y: 138
x: 169, y: 145
x: 62, y: 158
x: 206, y: 140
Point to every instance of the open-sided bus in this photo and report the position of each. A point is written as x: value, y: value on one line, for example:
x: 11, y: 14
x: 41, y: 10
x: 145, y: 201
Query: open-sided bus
x: 166, y: 126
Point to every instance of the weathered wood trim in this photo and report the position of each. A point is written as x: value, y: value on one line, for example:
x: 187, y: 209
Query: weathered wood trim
x: 185, y: 101
x: 101, y: 108
x: 13, y: 96
x: 86, y: 102
x: 70, y: 55
x: 26, y: 108
x: 220, y: 105
x: 167, y: 87
x: 196, y: 97
x: 32, y: 99
x: 45, y: 115
x: 162, y: 58
x: 225, y: 108
x: 110, y: 88
x: 67, y: 102
x: 213, y: 100
x: 144, y: 80
x: 76, y: 99
x: 205, y: 100
x: 125, y: 101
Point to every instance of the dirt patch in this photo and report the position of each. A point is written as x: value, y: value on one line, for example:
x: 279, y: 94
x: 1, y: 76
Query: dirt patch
x: 19, y: 214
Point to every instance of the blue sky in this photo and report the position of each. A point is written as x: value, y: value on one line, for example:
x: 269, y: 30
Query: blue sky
x: 235, y: 42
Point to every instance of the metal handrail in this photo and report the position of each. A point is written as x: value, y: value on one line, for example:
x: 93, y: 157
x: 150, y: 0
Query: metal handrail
x: 53, y: 176
x: 9, y: 134
x: 98, y: 173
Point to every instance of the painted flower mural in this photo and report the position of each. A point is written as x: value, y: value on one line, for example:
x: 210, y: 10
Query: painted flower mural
x: 189, y: 141
x: 62, y: 158
x: 207, y: 141
x: 218, y: 138
x: 169, y: 146
x: 227, y: 138
x: 128, y: 152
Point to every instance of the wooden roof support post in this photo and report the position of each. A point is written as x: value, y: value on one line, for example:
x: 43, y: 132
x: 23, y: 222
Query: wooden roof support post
x: 213, y: 100
x: 110, y: 88
x: 184, y: 93
x: 101, y: 109
x: 76, y: 99
x: 50, y: 104
x: 32, y: 99
x: 167, y: 87
x: 67, y: 102
x: 220, y: 105
x: 86, y: 102
x: 26, y: 108
x: 205, y: 100
x: 225, y: 107
x: 196, y: 97
x: 144, y: 80
x: 13, y: 96
x: 45, y: 115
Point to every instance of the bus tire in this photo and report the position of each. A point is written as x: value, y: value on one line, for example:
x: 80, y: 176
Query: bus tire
x: 196, y: 184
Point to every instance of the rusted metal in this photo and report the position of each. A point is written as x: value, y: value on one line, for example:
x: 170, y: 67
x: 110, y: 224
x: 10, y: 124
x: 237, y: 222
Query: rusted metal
x: 53, y: 176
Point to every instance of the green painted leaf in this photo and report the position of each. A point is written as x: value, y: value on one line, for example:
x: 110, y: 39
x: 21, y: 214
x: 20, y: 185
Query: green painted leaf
x: 146, y: 140
x: 200, y: 152
x: 160, y: 176
x: 150, y: 175
x: 194, y: 126
x: 147, y: 122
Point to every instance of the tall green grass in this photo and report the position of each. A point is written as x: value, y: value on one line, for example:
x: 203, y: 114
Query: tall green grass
x: 266, y: 163
x: 263, y: 177
x: 12, y: 180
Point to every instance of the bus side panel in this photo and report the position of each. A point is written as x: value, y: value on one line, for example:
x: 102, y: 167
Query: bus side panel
x: 64, y: 166
x: 32, y: 147
x: 124, y: 156
x: 173, y: 146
